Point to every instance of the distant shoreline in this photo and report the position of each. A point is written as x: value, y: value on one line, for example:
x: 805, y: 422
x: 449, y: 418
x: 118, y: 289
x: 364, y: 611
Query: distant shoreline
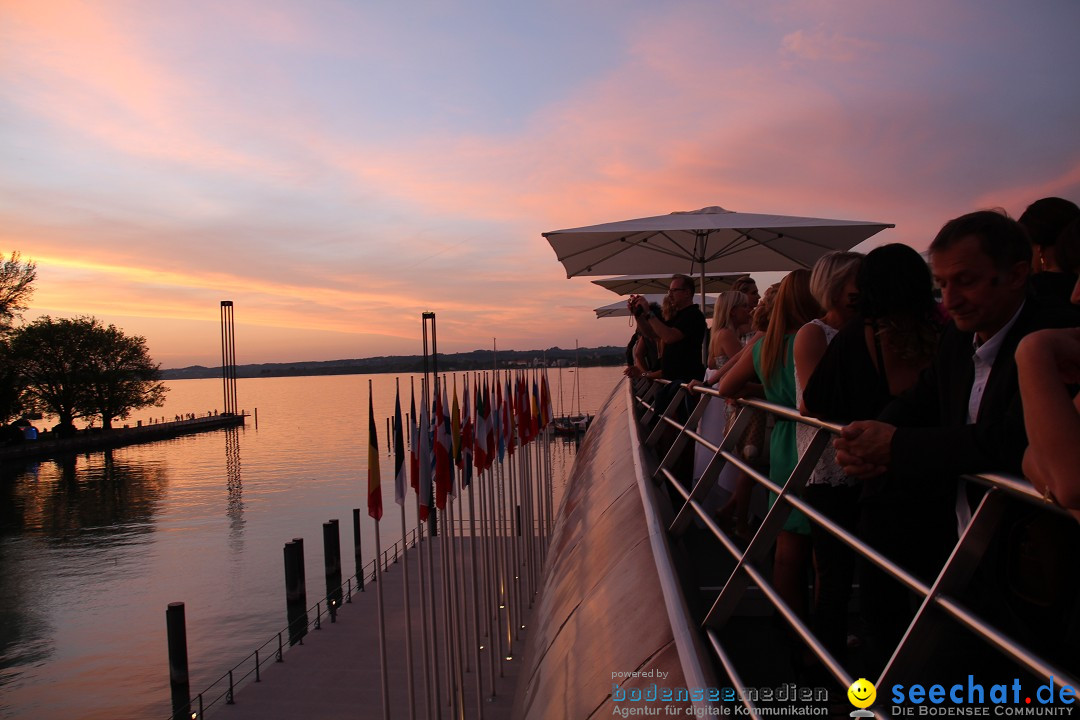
x: 474, y: 361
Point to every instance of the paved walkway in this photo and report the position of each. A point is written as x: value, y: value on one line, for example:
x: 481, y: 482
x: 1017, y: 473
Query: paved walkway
x: 335, y: 673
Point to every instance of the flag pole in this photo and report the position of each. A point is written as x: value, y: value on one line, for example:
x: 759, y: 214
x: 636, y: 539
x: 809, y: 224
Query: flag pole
x: 427, y: 492
x: 456, y: 563
x: 466, y: 472
x: 414, y: 466
x: 485, y: 532
x: 400, y: 493
x: 375, y: 511
x: 514, y: 510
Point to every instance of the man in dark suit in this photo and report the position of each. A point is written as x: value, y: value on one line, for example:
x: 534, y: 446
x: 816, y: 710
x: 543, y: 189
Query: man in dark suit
x: 964, y: 414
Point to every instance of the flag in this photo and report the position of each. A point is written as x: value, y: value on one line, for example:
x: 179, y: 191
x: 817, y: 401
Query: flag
x: 511, y: 423
x: 455, y: 441
x: 534, y: 418
x: 442, y: 449
x: 546, y: 415
x: 489, y: 425
x: 414, y: 443
x: 424, y: 464
x: 521, y: 402
x: 479, y: 439
x: 500, y: 419
x: 399, y: 452
x: 455, y: 428
x: 374, y: 491
x: 465, y: 459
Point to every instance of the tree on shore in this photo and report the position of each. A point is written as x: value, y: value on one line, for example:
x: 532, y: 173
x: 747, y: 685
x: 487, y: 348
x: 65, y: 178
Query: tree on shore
x: 10, y: 395
x: 16, y: 287
x: 78, y: 368
x: 122, y: 377
x: 50, y: 360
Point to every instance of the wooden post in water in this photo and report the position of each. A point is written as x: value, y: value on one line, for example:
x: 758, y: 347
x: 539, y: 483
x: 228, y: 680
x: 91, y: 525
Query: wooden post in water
x: 332, y: 560
x: 295, y: 591
x: 358, y: 556
x: 178, y: 660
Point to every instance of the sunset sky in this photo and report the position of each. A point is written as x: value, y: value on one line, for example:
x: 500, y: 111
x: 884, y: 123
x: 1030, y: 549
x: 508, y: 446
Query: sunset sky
x: 336, y: 168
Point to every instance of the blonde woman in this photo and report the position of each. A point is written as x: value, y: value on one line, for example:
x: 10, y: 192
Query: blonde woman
x: 832, y: 283
x: 731, y: 313
x: 829, y: 489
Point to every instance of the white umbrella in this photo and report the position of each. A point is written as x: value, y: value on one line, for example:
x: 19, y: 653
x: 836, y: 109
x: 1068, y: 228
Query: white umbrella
x: 639, y: 284
x: 618, y: 309
x: 708, y: 240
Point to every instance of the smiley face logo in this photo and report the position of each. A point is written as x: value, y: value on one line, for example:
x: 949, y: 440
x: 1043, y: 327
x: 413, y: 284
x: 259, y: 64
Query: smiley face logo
x: 862, y: 693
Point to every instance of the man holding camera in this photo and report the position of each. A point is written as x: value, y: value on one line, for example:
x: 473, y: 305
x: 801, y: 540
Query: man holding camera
x: 681, y: 334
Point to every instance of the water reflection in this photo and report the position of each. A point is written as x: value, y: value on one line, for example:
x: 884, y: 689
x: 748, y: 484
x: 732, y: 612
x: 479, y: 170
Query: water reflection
x: 234, y: 508
x: 65, y: 499
x: 61, y: 523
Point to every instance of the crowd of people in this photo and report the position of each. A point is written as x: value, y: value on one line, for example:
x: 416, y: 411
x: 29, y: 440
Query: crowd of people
x: 964, y: 363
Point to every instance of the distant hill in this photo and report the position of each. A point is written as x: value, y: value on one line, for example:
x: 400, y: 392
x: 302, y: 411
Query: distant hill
x: 448, y: 362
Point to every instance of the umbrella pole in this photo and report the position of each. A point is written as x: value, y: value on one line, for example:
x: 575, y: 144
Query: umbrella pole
x: 708, y: 336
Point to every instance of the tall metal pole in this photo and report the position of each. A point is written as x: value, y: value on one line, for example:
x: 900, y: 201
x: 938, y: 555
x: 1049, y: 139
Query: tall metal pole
x: 228, y: 357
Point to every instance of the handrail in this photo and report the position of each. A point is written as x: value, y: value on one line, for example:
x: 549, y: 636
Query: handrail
x: 325, y: 606
x: 692, y: 655
x: 954, y: 573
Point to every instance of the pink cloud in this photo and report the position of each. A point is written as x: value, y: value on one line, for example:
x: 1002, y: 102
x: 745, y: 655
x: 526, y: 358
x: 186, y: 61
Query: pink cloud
x: 819, y: 44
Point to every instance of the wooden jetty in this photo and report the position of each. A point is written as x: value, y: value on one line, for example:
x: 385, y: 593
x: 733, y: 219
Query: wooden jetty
x: 93, y: 440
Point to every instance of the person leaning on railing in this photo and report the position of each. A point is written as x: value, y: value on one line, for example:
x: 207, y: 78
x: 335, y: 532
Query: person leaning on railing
x: 1048, y: 362
x: 771, y: 360
x: 873, y: 359
x: 644, y: 353
x: 964, y: 416
x: 829, y: 489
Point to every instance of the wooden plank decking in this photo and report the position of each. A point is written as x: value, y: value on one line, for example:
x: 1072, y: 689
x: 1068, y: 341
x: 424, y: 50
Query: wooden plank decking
x: 335, y: 673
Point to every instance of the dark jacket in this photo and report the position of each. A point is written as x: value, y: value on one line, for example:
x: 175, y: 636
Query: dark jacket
x: 933, y: 437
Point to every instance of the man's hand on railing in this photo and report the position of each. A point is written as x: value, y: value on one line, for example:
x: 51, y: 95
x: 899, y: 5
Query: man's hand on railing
x: 864, y: 448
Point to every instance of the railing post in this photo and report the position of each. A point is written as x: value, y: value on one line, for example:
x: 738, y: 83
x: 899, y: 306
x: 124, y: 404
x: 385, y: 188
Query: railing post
x: 257, y: 678
x: 178, y: 660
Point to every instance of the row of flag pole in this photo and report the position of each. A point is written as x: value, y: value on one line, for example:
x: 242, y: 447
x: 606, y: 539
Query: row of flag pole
x: 491, y: 452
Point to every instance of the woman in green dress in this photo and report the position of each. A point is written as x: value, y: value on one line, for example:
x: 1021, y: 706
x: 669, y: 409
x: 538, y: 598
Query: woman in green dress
x: 771, y: 363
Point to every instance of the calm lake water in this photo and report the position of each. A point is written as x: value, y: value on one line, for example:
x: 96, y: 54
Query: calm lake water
x: 92, y: 551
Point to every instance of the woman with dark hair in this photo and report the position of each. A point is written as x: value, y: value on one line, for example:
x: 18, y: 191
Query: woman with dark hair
x: 1044, y: 220
x: 873, y: 359
x: 1048, y: 362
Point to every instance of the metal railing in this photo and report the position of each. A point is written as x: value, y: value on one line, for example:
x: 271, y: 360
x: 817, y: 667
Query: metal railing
x: 941, y: 594
x: 251, y: 665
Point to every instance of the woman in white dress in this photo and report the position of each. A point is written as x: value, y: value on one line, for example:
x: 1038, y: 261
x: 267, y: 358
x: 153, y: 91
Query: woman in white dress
x: 731, y: 317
